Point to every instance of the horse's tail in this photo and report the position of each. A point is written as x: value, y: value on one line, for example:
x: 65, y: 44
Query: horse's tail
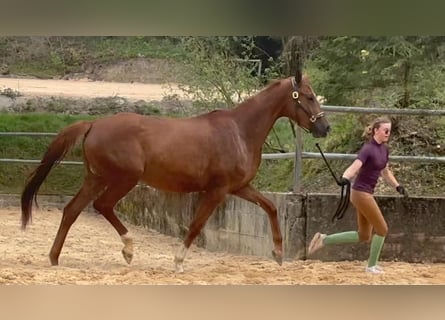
x: 57, y: 150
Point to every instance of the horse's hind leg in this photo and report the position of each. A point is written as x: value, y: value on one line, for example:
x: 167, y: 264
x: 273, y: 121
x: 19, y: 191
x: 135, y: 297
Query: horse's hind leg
x: 250, y: 194
x: 105, y: 206
x: 91, y: 187
x: 207, y: 203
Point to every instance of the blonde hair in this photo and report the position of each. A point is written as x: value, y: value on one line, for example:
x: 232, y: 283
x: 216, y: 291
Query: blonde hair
x: 369, y: 131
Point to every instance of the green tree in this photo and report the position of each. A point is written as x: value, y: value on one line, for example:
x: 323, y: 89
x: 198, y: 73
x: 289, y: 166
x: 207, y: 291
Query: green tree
x: 381, y: 71
x: 212, y: 75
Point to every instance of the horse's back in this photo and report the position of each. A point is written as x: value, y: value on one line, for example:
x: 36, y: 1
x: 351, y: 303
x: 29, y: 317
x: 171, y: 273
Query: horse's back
x: 176, y: 154
x: 128, y: 138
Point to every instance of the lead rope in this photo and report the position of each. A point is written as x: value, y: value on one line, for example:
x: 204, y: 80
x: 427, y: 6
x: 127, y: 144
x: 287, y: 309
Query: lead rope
x: 345, y: 193
x: 343, y: 203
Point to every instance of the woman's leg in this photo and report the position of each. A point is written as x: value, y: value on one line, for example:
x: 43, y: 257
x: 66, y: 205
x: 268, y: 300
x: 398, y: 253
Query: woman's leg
x: 370, y: 212
x: 320, y: 239
x: 368, y: 208
x: 361, y: 201
x: 364, y: 227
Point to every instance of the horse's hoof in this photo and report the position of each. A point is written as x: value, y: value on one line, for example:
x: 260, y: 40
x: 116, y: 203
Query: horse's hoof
x: 179, y: 268
x: 128, y: 256
x: 53, y: 261
x: 278, y: 257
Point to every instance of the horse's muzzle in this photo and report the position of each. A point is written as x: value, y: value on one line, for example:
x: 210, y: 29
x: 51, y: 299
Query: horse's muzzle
x: 319, y: 130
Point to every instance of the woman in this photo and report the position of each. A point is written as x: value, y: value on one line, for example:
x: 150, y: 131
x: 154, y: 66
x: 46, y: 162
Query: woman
x: 371, y: 162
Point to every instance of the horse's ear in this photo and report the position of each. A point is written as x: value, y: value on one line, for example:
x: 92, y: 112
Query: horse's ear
x: 298, y: 70
x: 298, y: 76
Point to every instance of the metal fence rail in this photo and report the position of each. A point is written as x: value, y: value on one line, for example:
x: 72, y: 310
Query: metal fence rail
x: 411, y: 112
x: 278, y: 156
x: 349, y: 156
x: 298, y: 155
x: 30, y: 161
x: 30, y: 134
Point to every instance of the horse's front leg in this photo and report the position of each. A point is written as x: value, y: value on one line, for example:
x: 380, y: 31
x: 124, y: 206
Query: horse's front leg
x: 206, y: 205
x: 251, y: 194
x: 127, y: 250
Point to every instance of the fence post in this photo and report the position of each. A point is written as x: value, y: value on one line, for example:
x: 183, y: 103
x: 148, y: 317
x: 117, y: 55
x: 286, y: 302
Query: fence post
x: 298, y: 163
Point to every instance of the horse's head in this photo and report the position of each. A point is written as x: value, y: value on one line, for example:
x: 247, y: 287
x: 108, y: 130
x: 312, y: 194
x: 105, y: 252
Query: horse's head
x: 304, y: 108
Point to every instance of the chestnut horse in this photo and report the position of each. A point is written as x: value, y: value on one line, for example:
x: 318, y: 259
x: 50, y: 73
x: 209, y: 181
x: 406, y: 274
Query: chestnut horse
x: 216, y: 154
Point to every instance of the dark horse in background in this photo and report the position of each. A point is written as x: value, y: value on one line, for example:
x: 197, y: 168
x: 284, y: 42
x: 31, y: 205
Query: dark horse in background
x: 215, y: 154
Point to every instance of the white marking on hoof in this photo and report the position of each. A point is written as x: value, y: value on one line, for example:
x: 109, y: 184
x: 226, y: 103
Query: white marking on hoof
x: 179, y: 267
x: 179, y: 259
x: 127, y: 251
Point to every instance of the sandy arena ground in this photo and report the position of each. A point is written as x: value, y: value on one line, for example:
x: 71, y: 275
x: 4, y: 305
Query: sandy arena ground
x: 91, y: 255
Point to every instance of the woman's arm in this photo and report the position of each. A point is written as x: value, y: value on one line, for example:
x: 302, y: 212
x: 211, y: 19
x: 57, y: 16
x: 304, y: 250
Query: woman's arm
x: 353, y: 169
x: 389, y: 178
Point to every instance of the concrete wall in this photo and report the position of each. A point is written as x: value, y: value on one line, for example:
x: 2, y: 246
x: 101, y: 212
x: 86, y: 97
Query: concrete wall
x: 44, y: 201
x: 236, y: 226
x: 416, y: 225
x: 416, y: 228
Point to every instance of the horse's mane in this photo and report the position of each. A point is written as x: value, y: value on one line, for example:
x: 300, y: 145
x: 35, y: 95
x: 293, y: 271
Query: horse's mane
x: 271, y: 85
x: 248, y: 101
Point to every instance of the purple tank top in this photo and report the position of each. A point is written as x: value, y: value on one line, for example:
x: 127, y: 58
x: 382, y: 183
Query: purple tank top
x: 374, y: 157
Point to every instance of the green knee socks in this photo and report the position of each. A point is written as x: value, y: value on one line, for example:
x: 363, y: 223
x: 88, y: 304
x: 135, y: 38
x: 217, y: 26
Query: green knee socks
x: 342, y: 237
x: 352, y: 237
x: 376, y: 248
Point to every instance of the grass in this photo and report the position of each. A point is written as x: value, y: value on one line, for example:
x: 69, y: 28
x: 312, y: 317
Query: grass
x: 38, y: 69
x: 115, y: 48
x: 70, y: 54
x: 273, y: 175
x: 13, y: 175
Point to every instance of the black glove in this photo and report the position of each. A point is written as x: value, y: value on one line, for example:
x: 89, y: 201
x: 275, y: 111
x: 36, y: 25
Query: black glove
x: 343, y: 182
x: 400, y: 189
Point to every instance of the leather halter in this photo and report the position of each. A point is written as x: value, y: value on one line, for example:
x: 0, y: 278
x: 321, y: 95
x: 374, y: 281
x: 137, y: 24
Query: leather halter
x: 296, y: 95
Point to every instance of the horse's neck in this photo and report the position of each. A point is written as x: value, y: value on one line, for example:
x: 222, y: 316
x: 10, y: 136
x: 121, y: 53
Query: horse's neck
x: 257, y: 115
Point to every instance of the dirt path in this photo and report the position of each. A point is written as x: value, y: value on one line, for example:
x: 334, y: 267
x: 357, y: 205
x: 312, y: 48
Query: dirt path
x: 91, y: 255
x: 87, y: 89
